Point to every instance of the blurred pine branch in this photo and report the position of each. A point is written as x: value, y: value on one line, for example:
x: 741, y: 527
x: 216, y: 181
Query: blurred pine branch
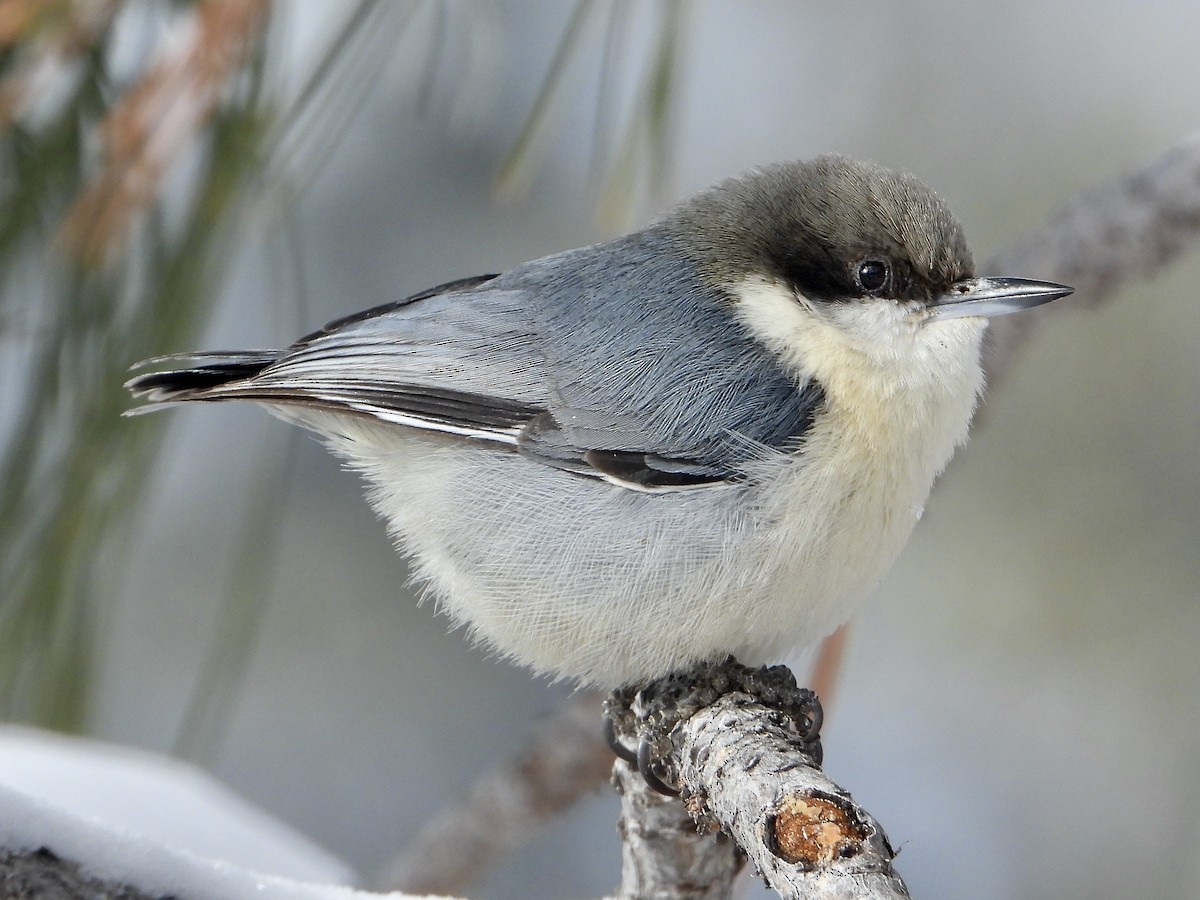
x: 132, y: 134
x: 82, y: 197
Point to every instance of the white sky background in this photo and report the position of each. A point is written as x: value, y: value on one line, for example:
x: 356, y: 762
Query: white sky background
x: 1033, y: 650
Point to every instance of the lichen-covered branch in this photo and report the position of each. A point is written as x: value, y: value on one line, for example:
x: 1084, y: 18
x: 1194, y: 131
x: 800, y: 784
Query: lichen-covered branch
x: 664, y: 854
x: 741, y: 747
x: 742, y: 768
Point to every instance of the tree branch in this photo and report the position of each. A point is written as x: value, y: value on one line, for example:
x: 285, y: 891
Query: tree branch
x: 741, y: 747
x: 743, y: 767
x: 664, y: 854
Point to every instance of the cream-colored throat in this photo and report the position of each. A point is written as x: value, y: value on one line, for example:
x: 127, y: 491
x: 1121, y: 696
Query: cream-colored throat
x: 897, y: 385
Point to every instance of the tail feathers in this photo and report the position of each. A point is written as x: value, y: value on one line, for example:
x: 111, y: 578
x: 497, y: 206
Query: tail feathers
x: 196, y: 382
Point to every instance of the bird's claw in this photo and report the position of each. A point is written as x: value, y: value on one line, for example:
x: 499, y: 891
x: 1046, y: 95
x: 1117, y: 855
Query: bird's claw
x: 648, y: 765
x: 615, y: 745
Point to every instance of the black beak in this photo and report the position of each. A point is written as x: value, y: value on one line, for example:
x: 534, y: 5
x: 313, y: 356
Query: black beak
x: 994, y: 297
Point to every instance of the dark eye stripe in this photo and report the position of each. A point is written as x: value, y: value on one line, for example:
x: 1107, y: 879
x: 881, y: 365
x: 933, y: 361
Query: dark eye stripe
x: 813, y: 270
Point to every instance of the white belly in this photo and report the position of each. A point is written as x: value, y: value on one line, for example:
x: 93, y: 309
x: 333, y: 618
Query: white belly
x: 578, y: 578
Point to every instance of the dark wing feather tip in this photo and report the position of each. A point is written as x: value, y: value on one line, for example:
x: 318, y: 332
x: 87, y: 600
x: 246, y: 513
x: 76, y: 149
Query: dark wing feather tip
x: 646, y: 471
x: 181, y: 383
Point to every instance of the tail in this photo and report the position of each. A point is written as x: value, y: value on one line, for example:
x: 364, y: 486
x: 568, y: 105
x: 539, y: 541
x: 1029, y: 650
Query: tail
x: 203, y: 380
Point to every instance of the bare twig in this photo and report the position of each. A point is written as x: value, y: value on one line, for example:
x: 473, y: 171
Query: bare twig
x: 564, y: 759
x: 740, y: 745
x: 663, y: 853
x: 804, y: 834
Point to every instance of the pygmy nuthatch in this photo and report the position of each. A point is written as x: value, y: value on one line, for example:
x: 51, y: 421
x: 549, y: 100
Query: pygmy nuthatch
x: 709, y: 437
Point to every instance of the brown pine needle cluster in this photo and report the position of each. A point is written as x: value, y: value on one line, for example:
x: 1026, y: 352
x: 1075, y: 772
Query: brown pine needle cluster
x: 157, y: 121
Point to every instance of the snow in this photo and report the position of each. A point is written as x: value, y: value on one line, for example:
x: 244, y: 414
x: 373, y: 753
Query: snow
x: 155, y: 823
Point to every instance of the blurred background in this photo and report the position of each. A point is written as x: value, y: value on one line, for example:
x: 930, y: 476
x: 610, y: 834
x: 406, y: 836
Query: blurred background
x: 1020, y: 705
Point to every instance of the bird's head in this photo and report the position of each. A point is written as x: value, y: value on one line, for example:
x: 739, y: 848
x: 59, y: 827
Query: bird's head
x: 835, y: 243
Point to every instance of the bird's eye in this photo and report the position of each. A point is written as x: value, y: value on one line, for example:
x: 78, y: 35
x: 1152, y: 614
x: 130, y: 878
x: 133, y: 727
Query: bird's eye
x: 872, y: 275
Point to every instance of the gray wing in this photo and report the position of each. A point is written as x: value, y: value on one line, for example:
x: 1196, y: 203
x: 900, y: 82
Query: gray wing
x: 612, y: 361
x: 444, y: 360
x: 654, y: 383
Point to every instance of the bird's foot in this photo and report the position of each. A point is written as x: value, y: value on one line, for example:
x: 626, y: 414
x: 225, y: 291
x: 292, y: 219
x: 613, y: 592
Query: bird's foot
x: 645, y: 717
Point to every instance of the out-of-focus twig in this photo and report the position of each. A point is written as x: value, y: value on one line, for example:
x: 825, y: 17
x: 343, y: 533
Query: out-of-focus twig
x: 828, y: 665
x: 157, y: 121
x: 563, y: 760
x: 1124, y: 230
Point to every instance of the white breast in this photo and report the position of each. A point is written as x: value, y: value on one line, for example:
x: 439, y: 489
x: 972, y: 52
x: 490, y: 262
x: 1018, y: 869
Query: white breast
x: 900, y: 391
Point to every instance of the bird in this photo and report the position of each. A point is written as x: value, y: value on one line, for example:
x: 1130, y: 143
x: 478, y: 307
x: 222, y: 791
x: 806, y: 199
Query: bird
x: 708, y: 438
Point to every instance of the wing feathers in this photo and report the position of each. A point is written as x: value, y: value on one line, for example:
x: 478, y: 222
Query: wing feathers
x: 521, y: 361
